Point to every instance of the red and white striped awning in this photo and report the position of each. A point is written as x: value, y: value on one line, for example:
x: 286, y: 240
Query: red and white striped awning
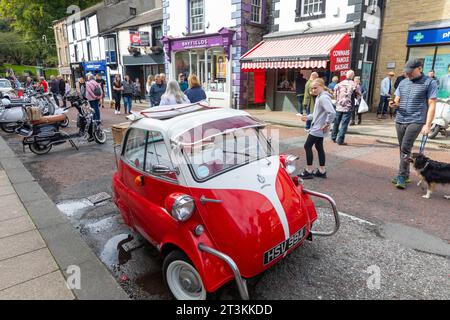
x: 306, y: 52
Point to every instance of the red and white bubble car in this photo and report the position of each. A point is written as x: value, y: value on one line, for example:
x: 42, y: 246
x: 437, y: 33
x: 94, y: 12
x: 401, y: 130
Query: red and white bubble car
x: 205, y: 186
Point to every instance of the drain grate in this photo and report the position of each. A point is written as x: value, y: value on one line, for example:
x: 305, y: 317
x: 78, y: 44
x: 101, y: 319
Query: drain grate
x: 99, y: 197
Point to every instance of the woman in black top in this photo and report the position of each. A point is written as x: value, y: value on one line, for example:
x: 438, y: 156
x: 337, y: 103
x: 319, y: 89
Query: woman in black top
x: 117, y: 93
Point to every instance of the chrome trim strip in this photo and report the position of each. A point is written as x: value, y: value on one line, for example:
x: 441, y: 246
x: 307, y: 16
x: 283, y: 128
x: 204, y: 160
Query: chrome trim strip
x: 241, y: 284
x: 335, y: 213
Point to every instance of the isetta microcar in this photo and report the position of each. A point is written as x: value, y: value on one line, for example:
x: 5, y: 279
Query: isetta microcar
x: 205, y: 187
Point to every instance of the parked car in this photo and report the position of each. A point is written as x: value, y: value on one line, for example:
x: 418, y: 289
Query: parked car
x: 6, y: 89
x: 206, y: 188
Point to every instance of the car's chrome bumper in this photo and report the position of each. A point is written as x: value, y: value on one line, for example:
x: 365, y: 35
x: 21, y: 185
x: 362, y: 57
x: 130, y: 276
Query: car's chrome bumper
x: 241, y: 284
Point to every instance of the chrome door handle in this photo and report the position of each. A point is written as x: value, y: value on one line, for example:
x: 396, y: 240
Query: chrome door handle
x: 204, y: 200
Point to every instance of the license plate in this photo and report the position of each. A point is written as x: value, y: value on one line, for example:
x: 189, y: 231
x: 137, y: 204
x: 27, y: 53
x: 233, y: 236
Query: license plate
x: 283, y: 247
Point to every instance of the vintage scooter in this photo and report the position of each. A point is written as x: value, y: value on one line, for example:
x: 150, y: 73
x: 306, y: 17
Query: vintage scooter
x: 13, y: 112
x: 441, y: 120
x: 41, y: 135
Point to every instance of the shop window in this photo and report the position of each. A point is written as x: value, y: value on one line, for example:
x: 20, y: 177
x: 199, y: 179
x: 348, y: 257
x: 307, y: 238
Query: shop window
x: 425, y: 54
x: 310, y: 9
x: 256, y: 11
x: 210, y: 66
x: 442, y: 71
x: 196, y: 15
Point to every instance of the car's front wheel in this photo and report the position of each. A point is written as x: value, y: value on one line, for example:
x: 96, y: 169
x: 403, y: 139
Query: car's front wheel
x: 181, y: 277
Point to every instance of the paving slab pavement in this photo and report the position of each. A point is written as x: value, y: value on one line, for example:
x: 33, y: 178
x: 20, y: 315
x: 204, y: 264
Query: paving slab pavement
x: 39, y: 250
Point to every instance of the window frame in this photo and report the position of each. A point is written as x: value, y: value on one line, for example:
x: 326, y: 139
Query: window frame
x: 144, y: 170
x: 299, y: 15
x: 157, y: 42
x: 191, y: 16
x: 259, y: 13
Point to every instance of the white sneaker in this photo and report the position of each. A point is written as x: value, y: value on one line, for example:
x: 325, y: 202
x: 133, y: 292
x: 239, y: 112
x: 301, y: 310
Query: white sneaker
x: 115, y: 112
x: 118, y: 112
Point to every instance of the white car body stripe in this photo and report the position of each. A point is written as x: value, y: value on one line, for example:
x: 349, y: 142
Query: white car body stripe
x: 234, y: 180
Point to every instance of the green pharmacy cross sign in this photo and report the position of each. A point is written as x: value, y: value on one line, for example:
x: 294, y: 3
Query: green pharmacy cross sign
x: 418, y: 37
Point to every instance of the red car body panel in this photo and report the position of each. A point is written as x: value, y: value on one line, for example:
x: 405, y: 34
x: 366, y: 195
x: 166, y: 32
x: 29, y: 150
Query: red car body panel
x: 244, y: 226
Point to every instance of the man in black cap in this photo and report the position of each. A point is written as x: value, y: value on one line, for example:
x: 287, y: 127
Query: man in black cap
x: 415, y: 100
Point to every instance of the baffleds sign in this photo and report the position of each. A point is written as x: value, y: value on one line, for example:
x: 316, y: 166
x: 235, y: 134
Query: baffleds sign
x: 340, y: 57
x: 139, y: 39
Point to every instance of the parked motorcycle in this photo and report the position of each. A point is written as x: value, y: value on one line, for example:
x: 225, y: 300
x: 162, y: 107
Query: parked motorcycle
x: 41, y: 135
x: 13, y: 115
x: 441, y: 120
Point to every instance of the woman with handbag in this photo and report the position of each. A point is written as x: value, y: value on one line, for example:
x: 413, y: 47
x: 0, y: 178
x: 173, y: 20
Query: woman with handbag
x: 358, y: 102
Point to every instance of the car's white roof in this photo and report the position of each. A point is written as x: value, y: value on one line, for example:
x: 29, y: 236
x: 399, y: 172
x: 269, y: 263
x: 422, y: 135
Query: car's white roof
x: 177, y: 125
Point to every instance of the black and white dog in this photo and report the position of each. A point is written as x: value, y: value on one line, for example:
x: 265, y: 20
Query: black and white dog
x: 430, y: 171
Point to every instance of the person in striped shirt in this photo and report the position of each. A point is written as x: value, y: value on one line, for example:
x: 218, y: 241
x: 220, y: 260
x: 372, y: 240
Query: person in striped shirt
x: 415, y: 101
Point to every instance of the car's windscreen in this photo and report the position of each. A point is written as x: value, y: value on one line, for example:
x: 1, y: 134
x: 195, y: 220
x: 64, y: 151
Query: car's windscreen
x: 225, y: 152
x: 5, y: 84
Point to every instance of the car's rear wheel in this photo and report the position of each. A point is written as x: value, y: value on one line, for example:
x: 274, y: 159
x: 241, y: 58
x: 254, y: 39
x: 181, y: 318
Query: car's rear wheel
x: 181, y: 277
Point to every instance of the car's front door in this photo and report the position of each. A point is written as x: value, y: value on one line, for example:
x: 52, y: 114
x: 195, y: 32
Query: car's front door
x: 149, y: 191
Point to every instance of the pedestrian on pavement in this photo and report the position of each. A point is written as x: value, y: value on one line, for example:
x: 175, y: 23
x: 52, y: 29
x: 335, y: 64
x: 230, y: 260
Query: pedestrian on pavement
x: 29, y: 84
x: 309, y: 99
x: 102, y: 84
x: 432, y: 75
x: 81, y: 88
x: 62, y: 89
x: 400, y: 78
x: 173, y: 95
x: 137, y: 91
x: 385, y: 94
x: 94, y: 94
x: 43, y: 85
x: 68, y: 87
x: 345, y: 92
x: 163, y: 78
x: 195, y: 93
x: 300, y: 84
x: 333, y: 83
x: 362, y: 89
x: 322, y: 118
x: 415, y: 100
x: 148, y: 86
x: 127, y: 94
x: 117, y: 93
x: 444, y: 85
x: 182, y: 82
x: 157, y: 90
x: 54, y: 87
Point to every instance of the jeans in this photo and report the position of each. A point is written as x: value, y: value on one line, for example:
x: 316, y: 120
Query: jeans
x: 407, y: 133
x: 95, y: 105
x: 383, y: 106
x: 128, y: 103
x: 342, y: 120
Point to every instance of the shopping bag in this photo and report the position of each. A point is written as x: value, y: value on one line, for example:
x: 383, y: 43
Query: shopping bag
x: 363, y: 107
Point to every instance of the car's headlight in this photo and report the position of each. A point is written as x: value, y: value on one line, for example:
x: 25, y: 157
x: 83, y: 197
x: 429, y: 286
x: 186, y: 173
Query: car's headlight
x: 183, y: 208
x: 290, y: 163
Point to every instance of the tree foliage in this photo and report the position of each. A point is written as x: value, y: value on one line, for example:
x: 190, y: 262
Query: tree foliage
x: 33, y: 19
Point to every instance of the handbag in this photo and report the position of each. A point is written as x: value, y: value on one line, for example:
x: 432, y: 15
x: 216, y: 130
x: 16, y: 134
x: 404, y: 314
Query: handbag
x: 363, y: 107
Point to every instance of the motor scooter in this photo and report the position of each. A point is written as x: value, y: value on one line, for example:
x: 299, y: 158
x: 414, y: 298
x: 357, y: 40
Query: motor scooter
x: 41, y: 135
x: 441, y: 120
x: 13, y: 114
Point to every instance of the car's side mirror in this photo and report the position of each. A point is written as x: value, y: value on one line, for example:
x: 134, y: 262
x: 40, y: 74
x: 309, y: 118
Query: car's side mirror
x: 160, y: 170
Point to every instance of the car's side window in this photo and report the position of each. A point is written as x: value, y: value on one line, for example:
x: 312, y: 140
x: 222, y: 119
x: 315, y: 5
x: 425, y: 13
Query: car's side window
x: 135, y: 148
x: 157, y: 153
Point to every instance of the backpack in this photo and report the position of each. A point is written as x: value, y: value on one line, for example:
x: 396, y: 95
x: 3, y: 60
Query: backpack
x: 97, y: 90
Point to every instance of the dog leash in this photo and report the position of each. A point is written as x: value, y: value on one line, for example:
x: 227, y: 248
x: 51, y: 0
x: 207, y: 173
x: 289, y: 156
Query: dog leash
x: 423, y: 143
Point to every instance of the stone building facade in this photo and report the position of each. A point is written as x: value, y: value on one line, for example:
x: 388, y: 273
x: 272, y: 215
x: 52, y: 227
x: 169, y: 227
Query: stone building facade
x: 405, y: 29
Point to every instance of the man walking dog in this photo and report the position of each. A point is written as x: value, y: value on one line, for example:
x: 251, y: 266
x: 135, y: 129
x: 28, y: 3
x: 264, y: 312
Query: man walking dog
x: 415, y: 100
